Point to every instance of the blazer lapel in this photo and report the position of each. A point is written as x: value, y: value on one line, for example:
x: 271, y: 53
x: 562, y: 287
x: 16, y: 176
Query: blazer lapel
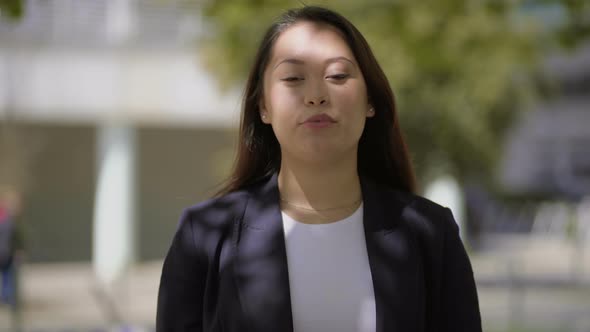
x: 260, y: 269
x: 394, y: 260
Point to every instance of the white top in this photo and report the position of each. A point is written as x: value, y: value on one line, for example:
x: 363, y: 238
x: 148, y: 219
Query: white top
x: 329, y: 275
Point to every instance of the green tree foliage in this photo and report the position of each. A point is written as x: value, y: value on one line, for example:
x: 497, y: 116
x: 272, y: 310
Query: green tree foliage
x: 460, y: 69
x: 12, y: 9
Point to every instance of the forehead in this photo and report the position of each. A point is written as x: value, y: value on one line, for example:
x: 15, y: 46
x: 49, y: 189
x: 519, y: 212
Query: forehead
x: 308, y: 40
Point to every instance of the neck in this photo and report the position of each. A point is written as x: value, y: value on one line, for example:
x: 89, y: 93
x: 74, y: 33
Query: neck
x: 319, y: 186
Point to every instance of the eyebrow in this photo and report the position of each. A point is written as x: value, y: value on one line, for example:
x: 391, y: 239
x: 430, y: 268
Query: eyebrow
x: 301, y: 62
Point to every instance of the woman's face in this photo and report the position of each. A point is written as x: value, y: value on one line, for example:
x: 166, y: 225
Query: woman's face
x: 315, y: 97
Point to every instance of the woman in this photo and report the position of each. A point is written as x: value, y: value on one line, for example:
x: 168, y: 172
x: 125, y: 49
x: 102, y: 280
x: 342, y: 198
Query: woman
x: 318, y: 228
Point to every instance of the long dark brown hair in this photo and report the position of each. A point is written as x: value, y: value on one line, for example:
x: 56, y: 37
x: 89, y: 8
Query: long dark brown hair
x: 382, y: 152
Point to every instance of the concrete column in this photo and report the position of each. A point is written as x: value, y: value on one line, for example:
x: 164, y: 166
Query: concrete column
x: 446, y: 191
x: 114, y: 208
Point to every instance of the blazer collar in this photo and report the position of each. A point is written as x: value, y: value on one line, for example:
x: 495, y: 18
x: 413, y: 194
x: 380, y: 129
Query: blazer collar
x: 260, y: 267
x: 261, y: 270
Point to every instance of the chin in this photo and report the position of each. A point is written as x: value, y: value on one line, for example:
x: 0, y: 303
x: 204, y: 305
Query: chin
x: 327, y: 154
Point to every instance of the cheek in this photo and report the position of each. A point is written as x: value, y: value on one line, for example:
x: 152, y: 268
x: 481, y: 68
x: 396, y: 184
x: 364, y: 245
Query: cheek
x: 352, y: 100
x: 282, y: 106
x: 282, y: 101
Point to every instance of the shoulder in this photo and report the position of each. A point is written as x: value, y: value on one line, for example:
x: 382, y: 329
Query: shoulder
x: 431, y: 225
x: 215, y: 213
x: 427, y: 218
x: 426, y: 208
x: 203, y: 225
x: 398, y: 202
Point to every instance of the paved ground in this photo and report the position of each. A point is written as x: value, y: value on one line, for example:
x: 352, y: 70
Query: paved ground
x: 538, y: 283
x: 58, y: 296
x: 64, y: 297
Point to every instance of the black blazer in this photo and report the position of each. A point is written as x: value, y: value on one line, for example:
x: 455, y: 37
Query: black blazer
x: 226, y: 269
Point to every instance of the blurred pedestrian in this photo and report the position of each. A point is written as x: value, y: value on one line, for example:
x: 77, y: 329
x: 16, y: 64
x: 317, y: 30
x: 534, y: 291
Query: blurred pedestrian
x: 11, y: 245
x: 318, y: 228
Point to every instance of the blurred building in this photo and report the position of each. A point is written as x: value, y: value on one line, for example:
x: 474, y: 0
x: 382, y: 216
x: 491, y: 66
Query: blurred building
x: 545, y: 170
x: 548, y: 152
x: 70, y: 72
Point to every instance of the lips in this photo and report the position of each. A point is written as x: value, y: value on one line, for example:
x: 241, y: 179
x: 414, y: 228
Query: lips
x: 319, y: 119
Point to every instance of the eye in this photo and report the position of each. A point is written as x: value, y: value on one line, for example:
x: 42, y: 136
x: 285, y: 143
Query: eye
x: 338, y: 77
x: 291, y: 79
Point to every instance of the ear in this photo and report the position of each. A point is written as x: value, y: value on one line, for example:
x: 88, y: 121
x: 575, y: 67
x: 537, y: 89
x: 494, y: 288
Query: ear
x: 370, y: 111
x: 264, y: 114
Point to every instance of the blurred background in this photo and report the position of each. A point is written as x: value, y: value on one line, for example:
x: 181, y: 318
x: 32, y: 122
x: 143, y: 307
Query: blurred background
x: 117, y: 114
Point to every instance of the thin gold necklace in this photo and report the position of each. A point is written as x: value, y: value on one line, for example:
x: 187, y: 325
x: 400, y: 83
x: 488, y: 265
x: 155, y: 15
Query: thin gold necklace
x: 321, y: 210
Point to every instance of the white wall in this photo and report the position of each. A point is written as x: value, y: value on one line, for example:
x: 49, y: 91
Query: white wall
x: 94, y: 86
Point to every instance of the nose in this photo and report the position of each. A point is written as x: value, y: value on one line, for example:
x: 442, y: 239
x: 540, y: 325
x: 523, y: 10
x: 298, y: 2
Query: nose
x: 316, y: 101
x: 316, y: 93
